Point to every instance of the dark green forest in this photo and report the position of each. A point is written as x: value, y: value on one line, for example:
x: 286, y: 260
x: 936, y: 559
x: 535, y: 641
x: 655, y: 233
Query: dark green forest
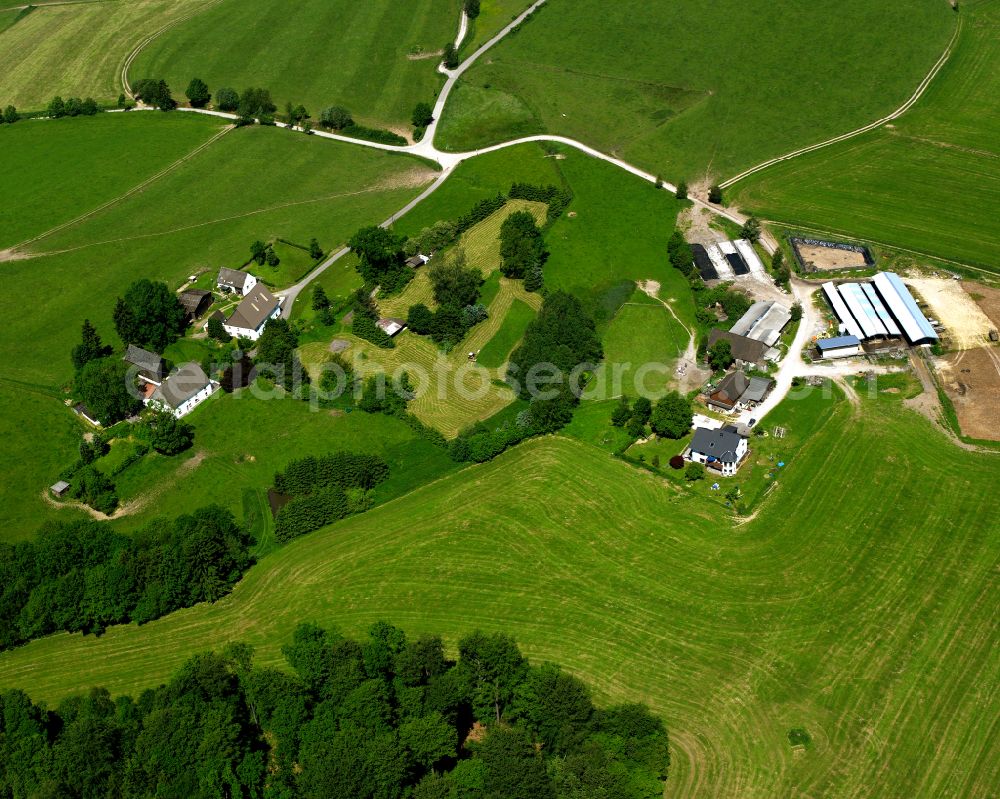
x: 379, y: 718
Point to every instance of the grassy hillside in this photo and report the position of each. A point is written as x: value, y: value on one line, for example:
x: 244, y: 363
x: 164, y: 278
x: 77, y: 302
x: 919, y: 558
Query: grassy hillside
x: 376, y: 58
x: 78, y: 49
x: 929, y: 183
x: 720, y: 86
x: 859, y: 605
x: 249, y: 184
x: 57, y: 170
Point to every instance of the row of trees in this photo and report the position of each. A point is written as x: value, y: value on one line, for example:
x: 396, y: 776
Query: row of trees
x: 72, y: 107
x: 83, y: 576
x: 384, y: 717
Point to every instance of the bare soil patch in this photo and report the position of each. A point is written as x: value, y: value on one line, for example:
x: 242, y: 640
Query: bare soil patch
x: 823, y: 258
x: 695, y: 221
x: 972, y: 382
x: 988, y: 299
x: 966, y: 324
x: 339, y: 345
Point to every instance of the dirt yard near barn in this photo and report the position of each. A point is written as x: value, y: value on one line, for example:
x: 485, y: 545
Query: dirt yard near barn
x: 988, y: 299
x: 972, y: 381
x: 824, y: 258
x: 948, y: 302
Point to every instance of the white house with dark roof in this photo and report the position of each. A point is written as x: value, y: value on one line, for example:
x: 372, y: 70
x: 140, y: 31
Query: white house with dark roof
x: 722, y: 450
x: 183, y: 391
x: 236, y: 281
x: 257, y: 309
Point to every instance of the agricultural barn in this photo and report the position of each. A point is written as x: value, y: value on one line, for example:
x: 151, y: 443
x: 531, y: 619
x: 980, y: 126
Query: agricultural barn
x: 150, y: 366
x: 763, y: 322
x: 195, y: 302
x: 883, y: 308
x: 745, y: 350
x: 839, y: 347
x: 250, y: 316
x: 236, y: 281
x: 417, y: 261
x: 184, y: 390
x: 722, y: 450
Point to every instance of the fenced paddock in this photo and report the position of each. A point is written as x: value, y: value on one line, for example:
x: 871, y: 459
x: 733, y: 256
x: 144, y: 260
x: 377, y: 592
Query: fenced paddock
x: 820, y: 255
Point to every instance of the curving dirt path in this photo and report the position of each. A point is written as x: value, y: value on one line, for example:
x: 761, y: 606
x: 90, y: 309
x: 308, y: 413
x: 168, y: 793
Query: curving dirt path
x: 928, y: 79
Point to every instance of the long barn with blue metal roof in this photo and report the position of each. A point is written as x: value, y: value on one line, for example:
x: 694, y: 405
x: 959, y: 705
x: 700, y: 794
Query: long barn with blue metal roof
x: 883, y: 308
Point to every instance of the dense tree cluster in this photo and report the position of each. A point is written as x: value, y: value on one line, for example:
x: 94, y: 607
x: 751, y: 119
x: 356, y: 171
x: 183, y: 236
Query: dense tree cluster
x: 733, y: 304
x: 720, y: 355
x: 672, y: 416
x: 324, y: 489
x: 216, y: 330
x: 155, y: 93
x: 456, y: 290
x: 227, y: 99
x: 386, y: 717
x: 561, y: 342
x: 239, y: 374
x: 84, y: 576
x: 336, y: 117
x: 779, y: 269
x: 168, y: 435
x: 364, y: 323
x: 276, y: 356
x: 423, y: 115
x: 522, y: 247
x: 149, y: 315
x: 90, y: 347
x: 681, y: 255
x: 471, y: 8
x: 106, y: 387
x: 321, y: 305
x: 261, y: 253
x: 632, y: 415
x: 381, y: 261
x: 9, y: 115
x: 256, y: 105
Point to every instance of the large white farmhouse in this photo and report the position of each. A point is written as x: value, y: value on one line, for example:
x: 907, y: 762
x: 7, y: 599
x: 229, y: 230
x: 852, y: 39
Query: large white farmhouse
x: 722, y: 450
x: 250, y: 316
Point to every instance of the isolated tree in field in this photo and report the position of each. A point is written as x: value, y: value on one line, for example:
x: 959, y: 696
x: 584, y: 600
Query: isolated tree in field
x: 149, y: 315
x: 720, y: 355
x: 272, y: 257
x: 10, y: 115
x: 197, y: 93
x: 90, y: 347
x: 155, y: 93
x: 315, y: 251
x: 104, y: 386
x: 682, y: 190
x: 450, y: 58
x: 319, y: 299
x: 796, y: 312
x: 680, y: 253
x: 336, y: 117
x: 622, y: 412
x: 715, y: 195
x: 217, y: 330
x: 423, y: 115
x: 472, y: 8
x: 694, y: 472
x: 227, y: 99
x: 672, y: 416
x: 751, y: 230
x: 168, y: 435
x: 258, y: 252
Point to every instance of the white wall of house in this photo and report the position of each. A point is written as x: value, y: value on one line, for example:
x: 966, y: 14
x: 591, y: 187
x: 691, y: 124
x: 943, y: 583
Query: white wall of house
x: 246, y: 332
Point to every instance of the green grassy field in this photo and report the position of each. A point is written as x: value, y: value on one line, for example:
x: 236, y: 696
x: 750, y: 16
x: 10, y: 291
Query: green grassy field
x: 199, y: 216
x: 493, y: 16
x: 859, y: 604
x: 78, y: 49
x: 495, y: 352
x: 719, y: 87
x: 930, y: 183
x: 365, y: 56
x: 59, y: 169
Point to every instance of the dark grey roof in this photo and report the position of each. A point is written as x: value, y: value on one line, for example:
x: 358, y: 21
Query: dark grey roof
x: 192, y: 299
x: 718, y: 444
x: 744, y: 349
x: 757, y: 390
x: 150, y: 364
x: 183, y: 384
x: 233, y: 278
x: 255, y: 309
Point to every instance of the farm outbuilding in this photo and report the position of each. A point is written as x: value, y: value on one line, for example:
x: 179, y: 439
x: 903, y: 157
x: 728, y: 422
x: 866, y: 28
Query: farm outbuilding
x: 883, y: 308
x: 60, y: 489
x: 904, y: 308
x: 839, y: 347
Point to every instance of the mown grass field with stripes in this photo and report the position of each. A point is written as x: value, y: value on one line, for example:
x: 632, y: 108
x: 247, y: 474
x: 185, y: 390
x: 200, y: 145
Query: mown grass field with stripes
x: 79, y: 49
x: 927, y: 183
x: 860, y: 604
x: 451, y: 392
x: 377, y: 58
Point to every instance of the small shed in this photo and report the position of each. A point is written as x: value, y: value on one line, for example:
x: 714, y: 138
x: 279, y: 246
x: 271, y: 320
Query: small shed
x: 417, y: 261
x: 60, y: 489
x: 195, y: 302
x: 392, y: 326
